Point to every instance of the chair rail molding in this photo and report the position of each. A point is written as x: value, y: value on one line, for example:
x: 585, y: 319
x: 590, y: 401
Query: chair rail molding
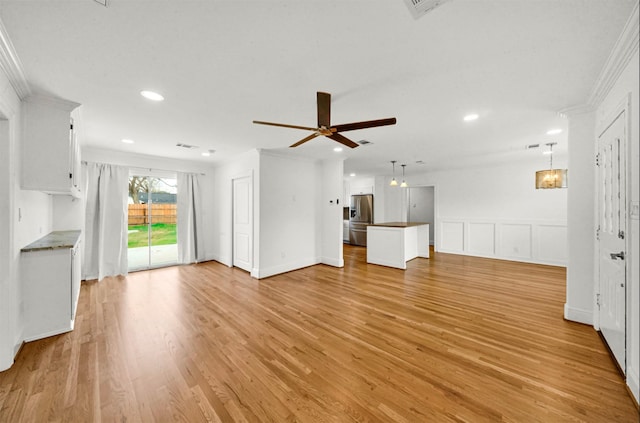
x: 11, y: 65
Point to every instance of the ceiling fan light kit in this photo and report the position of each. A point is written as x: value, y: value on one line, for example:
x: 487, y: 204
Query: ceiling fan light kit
x: 324, y: 127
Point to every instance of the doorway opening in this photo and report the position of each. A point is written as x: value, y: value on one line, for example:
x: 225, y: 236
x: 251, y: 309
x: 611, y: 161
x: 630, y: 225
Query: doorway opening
x: 421, y: 208
x: 152, y: 221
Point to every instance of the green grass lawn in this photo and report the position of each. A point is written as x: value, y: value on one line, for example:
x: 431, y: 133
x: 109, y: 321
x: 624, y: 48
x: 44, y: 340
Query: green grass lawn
x: 161, y: 234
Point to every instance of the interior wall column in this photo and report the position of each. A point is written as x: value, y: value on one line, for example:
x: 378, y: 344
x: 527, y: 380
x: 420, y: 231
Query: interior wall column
x: 581, y: 193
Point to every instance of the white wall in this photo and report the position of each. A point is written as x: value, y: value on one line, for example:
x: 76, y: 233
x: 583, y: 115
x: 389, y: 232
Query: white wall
x: 247, y: 164
x: 296, y: 219
x: 617, y: 88
x: 290, y: 213
x: 581, y: 219
x: 626, y: 90
x: 8, y: 283
x: 492, y: 211
x: 25, y: 217
x: 331, y: 206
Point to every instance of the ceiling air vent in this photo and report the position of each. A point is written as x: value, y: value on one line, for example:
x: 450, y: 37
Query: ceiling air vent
x: 364, y: 142
x: 419, y: 8
x: 530, y: 146
x: 186, y: 145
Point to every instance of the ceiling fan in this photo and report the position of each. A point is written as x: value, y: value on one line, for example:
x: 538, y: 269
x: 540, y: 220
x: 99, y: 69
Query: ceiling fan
x: 324, y: 124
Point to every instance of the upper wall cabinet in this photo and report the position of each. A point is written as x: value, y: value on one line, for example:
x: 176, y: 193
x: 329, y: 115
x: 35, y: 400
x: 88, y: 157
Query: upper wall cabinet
x: 50, y: 152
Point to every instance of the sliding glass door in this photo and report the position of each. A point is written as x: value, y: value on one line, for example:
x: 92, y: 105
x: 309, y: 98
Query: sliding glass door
x: 152, y: 222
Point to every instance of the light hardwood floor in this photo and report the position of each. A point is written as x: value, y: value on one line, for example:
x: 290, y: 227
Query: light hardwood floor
x: 450, y: 339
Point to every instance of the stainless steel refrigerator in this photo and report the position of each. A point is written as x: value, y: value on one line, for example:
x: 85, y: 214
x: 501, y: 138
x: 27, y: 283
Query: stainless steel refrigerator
x: 360, y: 215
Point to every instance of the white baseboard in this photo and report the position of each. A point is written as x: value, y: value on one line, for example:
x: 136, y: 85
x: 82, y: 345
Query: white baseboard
x: 332, y: 261
x: 507, y: 258
x: 578, y: 315
x: 47, y: 334
x: 223, y: 260
x: 285, y: 267
x: 633, y: 382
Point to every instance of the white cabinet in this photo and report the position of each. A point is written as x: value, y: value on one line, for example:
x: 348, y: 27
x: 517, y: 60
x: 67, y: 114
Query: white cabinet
x: 362, y: 185
x: 50, y: 286
x: 50, y: 152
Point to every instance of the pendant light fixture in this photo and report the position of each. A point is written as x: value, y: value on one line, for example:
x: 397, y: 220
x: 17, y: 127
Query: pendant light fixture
x: 393, y: 181
x: 551, y: 178
x: 404, y: 182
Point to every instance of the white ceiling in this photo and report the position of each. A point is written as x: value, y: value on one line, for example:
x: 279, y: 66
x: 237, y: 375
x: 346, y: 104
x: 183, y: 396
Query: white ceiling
x: 222, y: 64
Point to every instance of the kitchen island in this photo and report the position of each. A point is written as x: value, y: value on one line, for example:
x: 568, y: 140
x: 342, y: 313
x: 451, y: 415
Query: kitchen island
x: 393, y: 244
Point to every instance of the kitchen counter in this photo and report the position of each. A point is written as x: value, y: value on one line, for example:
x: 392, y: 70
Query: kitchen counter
x: 54, y: 240
x: 398, y: 224
x: 393, y: 244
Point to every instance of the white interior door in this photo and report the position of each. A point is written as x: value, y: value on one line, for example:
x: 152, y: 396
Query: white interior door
x: 611, y: 244
x: 242, y: 223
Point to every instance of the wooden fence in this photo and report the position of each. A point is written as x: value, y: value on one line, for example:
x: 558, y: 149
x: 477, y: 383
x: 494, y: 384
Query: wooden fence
x: 160, y: 213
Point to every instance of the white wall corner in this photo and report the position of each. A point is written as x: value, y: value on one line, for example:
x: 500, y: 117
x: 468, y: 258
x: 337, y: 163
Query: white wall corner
x: 11, y: 65
x: 626, y: 46
x: 578, y: 315
x: 332, y: 261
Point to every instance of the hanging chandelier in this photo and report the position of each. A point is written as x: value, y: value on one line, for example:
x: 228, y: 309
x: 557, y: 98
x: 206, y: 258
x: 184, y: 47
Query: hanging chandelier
x: 551, y: 178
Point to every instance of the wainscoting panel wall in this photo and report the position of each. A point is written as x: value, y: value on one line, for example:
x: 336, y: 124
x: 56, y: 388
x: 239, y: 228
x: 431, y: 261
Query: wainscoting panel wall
x: 452, y: 236
x: 482, y: 238
x: 551, y: 243
x: 542, y: 242
x: 515, y: 241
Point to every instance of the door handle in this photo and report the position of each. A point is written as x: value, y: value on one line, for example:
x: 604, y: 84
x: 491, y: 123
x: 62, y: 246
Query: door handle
x: 616, y: 256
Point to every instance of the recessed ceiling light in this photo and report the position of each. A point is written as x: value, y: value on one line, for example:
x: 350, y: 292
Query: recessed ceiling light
x: 337, y: 149
x: 472, y: 116
x: 151, y: 95
x: 127, y: 141
x: 206, y: 153
x: 547, y: 152
x: 352, y: 174
x: 554, y: 131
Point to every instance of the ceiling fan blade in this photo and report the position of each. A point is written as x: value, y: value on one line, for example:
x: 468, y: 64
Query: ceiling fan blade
x: 284, y: 125
x: 343, y: 140
x: 362, y: 125
x: 324, y: 109
x: 305, y: 139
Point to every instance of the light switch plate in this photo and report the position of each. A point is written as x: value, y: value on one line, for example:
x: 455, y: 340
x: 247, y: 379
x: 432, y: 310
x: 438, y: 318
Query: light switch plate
x: 634, y: 208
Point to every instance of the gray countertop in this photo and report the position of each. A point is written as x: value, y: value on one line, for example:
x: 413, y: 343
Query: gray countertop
x: 399, y: 224
x: 54, y: 240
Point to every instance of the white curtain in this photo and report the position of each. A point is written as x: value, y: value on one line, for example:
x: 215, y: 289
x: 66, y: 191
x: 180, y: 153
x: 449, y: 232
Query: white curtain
x: 105, y: 248
x: 190, y: 239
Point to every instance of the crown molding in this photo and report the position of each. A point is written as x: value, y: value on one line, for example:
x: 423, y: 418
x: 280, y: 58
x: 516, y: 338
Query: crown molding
x: 623, y: 51
x: 576, y: 110
x: 10, y: 64
x: 51, y: 101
